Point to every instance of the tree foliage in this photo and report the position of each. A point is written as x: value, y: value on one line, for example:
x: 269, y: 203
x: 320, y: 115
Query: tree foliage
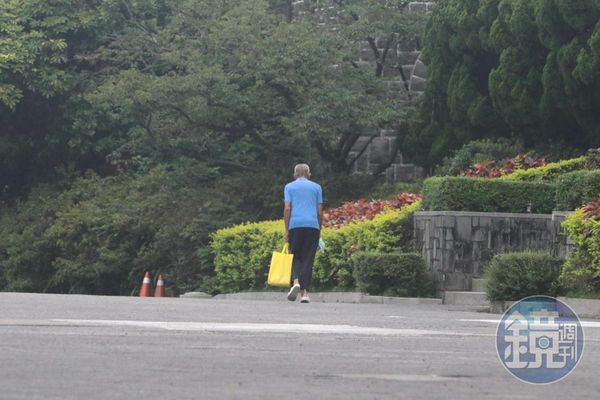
x: 521, y: 69
x: 131, y: 129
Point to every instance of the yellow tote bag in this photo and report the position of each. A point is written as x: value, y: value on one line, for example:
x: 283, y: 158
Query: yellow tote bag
x: 280, y: 272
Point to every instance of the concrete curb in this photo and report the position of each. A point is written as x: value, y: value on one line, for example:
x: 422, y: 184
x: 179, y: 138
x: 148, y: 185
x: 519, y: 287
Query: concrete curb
x: 584, y: 308
x: 587, y: 308
x: 472, y: 299
x: 196, y: 295
x: 325, y: 297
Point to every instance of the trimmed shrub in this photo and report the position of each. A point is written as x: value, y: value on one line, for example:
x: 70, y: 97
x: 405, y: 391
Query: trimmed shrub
x: 487, y: 195
x: 574, y: 189
x: 388, y: 232
x: 548, y: 172
x: 581, y: 273
x: 243, y: 252
x: 392, y: 274
x: 513, y: 276
x: 478, y: 151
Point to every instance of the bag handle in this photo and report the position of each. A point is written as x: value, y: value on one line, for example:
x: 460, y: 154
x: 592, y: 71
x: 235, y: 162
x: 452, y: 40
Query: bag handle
x: 285, y: 248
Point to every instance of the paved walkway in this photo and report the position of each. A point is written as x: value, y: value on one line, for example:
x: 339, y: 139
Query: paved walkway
x: 90, y: 347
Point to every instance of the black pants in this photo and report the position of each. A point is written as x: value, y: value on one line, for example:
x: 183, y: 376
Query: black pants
x: 303, y: 245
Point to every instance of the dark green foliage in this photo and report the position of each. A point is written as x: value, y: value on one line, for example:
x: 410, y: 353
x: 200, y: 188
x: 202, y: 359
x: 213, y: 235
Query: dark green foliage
x: 487, y: 195
x: 348, y: 187
x: 42, y: 75
x: 581, y: 273
x: 513, y: 276
x: 576, y: 188
x: 478, y: 151
x: 99, y: 235
x: 131, y: 130
x: 115, y: 85
x: 393, y: 274
x: 389, y: 190
x: 547, y: 173
x: 283, y: 7
x: 525, y: 69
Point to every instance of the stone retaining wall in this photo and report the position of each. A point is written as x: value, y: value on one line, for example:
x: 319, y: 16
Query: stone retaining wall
x: 458, y: 245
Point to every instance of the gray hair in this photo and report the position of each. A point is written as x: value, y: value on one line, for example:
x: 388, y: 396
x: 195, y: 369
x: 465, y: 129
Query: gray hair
x: 301, y: 170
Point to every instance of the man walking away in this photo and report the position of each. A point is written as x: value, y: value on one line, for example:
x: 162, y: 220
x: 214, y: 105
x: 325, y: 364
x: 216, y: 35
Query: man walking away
x: 303, y: 216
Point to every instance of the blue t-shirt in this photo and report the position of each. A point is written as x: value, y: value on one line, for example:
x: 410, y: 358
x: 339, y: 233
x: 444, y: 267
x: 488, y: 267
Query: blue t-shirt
x: 303, y: 195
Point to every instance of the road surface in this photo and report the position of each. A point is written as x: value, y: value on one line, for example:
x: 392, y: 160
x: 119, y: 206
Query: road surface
x: 92, y: 347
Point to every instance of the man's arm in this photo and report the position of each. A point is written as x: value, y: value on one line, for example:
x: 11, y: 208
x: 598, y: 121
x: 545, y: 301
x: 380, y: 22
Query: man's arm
x: 320, y: 206
x: 320, y: 214
x: 287, y: 212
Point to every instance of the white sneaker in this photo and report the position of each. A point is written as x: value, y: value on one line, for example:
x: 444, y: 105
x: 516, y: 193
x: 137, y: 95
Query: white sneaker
x: 304, y: 299
x: 293, y: 293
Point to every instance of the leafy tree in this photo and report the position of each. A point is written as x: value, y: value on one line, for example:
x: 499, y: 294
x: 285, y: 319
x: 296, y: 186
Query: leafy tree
x: 99, y: 235
x: 379, y: 29
x: 512, y: 68
x: 42, y: 76
x: 132, y: 129
x: 250, y: 88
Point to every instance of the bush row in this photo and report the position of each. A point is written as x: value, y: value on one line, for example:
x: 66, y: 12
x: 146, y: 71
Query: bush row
x: 242, y: 253
x: 581, y: 273
x: 548, y: 172
x: 392, y: 274
x: 574, y: 189
x: 566, y: 192
x: 487, y: 195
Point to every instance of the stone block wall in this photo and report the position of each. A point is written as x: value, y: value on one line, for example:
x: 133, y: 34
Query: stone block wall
x: 402, y: 70
x: 458, y: 245
x: 379, y: 150
x: 593, y: 159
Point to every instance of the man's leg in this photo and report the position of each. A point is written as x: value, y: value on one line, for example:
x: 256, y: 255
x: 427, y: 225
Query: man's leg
x: 310, y: 243
x: 294, y: 240
x: 294, y: 246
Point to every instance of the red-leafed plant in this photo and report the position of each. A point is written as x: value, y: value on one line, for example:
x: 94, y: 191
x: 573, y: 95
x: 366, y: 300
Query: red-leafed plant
x: 365, y: 210
x: 489, y: 169
x: 592, y: 210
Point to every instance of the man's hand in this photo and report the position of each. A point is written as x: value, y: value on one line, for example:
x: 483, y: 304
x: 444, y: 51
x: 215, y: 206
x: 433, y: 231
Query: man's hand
x: 286, y: 236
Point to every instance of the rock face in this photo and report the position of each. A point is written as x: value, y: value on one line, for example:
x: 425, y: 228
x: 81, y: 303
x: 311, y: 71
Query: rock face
x: 402, y: 71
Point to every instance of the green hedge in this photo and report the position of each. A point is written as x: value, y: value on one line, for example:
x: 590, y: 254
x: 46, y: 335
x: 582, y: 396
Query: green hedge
x: 243, y: 252
x: 581, y: 273
x: 513, y: 276
x: 548, y: 172
x: 393, y: 274
x: 575, y: 189
x: 486, y: 195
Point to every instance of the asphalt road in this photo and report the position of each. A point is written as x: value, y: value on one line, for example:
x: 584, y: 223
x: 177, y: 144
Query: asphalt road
x: 88, y: 347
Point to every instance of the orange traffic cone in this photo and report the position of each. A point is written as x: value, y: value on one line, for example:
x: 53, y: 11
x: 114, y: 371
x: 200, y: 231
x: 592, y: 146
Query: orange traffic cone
x: 160, y: 287
x: 146, y: 289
